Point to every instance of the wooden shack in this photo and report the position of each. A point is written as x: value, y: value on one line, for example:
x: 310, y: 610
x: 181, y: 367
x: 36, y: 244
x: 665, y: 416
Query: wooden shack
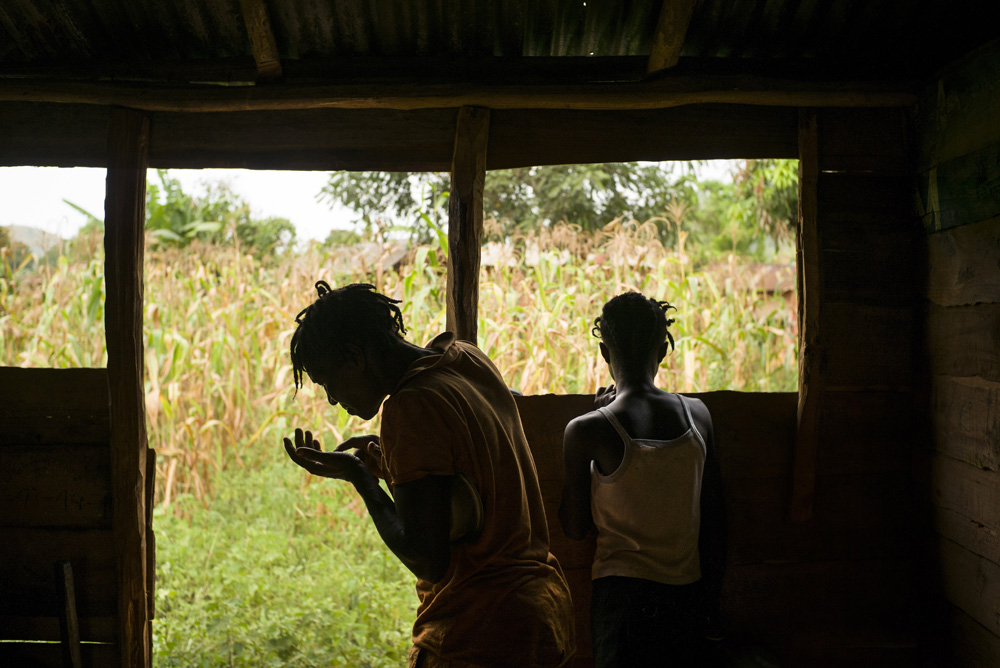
x: 864, y: 508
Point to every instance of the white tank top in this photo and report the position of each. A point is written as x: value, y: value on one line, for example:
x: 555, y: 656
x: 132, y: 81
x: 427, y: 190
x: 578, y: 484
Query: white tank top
x: 648, y: 512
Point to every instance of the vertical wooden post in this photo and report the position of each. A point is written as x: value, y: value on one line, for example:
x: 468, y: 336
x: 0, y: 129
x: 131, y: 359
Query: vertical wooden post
x: 124, y: 221
x: 69, y: 624
x: 465, y: 220
x: 810, y: 346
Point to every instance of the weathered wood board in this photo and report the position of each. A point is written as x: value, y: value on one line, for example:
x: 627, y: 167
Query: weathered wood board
x: 49, y: 655
x: 971, y: 582
x: 60, y: 406
x: 965, y: 341
x: 26, y: 559
x: 962, y: 190
x: 966, y: 420
x: 963, y: 262
x: 873, y: 347
x: 55, y: 486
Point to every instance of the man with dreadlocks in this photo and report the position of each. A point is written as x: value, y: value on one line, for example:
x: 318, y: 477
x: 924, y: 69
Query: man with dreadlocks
x: 642, y: 471
x: 490, y: 592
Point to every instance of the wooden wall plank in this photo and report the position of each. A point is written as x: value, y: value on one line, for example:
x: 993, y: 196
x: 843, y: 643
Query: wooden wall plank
x: 128, y: 145
x: 54, y: 135
x: 92, y: 629
x: 962, y: 264
x: 521, y: 137
x: 58, y: 486
x: 865, y: 432
x: 53, y: 406
x: 965, y: 341
x: 971, y: 582
x: 465, y: 221
x: 956, y: 114
x: 965, y: 414
x: 968, y: 491
x: 49, y: 655
x: 874, y: 348
x: 855, y: 517
x: 26, y: 558
x: 327, y: 139
x: 864, y: 140
x: 770, y: 602
x: 864, y: 199
x: 963, y: 190
x: 38, y: 391
x: 421, y: 140
x: 968, y: 643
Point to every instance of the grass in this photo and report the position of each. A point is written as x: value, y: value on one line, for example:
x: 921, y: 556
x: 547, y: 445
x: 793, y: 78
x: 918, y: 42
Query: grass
x: 259, y: 565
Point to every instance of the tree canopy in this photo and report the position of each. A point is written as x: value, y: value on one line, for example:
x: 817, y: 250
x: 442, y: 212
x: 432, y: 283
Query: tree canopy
x: 748, y: 214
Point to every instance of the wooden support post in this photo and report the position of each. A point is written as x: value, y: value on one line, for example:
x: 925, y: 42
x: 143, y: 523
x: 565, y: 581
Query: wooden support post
x: 265, y: 49
x: 124, y: 221
x: 671, y: 28
x: 69, y: 623
x: 465, y: 220
x: 810, y: 346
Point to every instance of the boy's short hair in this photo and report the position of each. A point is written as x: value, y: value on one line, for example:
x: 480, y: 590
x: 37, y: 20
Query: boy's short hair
x: 354, y: 314
x: 631, y: 324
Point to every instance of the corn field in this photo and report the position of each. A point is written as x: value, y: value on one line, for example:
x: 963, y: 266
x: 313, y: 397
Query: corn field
x: 218, y: 322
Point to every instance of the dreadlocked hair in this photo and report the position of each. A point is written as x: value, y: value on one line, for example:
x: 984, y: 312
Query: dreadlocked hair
x: 631, y: 324
x: 355, y: 314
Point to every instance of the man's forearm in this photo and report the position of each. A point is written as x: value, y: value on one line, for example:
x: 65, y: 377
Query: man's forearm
x: 382, y: 510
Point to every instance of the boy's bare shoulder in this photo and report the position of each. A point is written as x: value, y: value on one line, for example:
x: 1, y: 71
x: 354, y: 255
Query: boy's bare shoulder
x: 584, y: 425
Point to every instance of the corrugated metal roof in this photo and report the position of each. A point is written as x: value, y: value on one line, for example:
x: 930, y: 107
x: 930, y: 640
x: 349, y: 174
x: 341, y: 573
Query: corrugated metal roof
x: 59, y: 33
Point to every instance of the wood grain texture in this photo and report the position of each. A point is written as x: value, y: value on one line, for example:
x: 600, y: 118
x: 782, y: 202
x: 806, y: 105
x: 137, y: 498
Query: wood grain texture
x: 957, y: 110
x: 55, y: 486
x: 964, y: 341
x: 22, y: 627
x: 965, y: 415
x: 963, y: 264
x: 465, y: 221
x: 262, y: 44
x: 128, y: 145
x: 811, y: 296
x: 523, y: 137
x: 49, y: 655
x: 864, y: 199
x: 971, y: 582
x: 55, y: 135
x: 668, y: 37
x: 864, y: 140
x: 385, y: 139
x: 26, y: 558
x: 53, y: 406
x: 328, y: 139
x: 652, y: 94
x: 971, y: 492
x: 960, y: 191
x: 69, y: 623
x: 866, y: 432
x: 966, y: 642
x: 868, y: 347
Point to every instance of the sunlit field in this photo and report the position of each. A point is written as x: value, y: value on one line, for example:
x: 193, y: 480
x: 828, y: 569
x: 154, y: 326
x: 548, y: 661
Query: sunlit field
x: 257, y: 563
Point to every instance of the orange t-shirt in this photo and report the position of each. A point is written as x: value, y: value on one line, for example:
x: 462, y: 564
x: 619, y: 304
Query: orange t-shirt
x: 504, y: 600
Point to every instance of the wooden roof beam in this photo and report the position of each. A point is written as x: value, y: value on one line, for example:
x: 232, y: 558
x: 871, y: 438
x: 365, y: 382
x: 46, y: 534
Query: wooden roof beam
x: 671, y: 28
x: 672, y: 91
x: 262, y: 43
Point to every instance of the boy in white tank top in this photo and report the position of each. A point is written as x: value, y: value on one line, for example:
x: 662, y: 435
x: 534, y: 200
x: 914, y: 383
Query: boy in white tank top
x: 642, y: 471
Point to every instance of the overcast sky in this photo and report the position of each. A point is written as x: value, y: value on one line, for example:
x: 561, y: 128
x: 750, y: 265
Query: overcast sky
x: 34, y: 195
